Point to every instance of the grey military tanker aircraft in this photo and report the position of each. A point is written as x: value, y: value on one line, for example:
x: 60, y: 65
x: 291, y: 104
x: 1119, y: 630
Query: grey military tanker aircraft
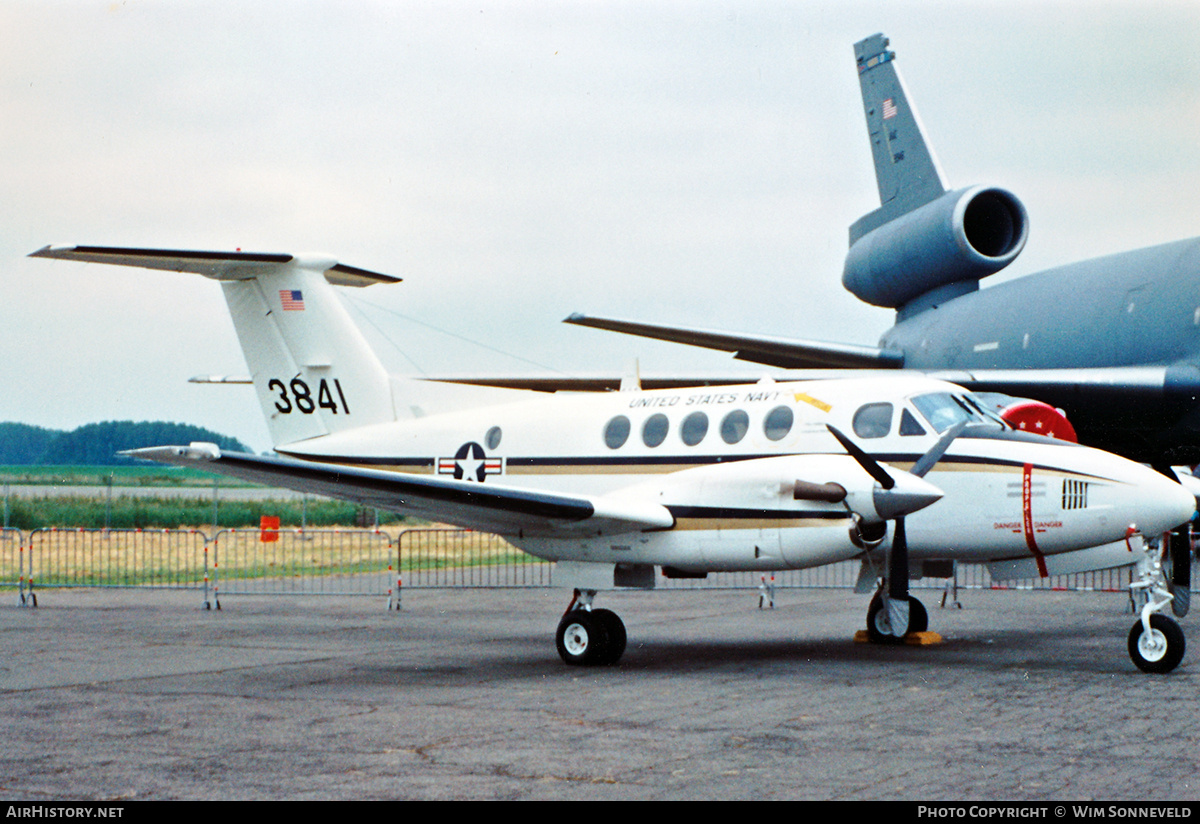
x: 1122, y: 365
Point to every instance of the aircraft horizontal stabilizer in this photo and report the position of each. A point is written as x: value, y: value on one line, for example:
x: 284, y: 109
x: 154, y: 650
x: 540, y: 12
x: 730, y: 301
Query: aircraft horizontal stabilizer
x: 216, y: 265
x: 787, y: 353
x: 490, y: 508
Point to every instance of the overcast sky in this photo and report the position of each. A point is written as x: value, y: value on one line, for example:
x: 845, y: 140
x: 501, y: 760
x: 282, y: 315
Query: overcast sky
x: 693, y: 163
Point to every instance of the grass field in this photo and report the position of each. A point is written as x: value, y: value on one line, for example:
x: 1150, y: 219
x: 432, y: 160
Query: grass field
x: 175, y: 512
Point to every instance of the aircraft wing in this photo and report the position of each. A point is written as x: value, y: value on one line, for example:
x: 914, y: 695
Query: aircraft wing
x: 1073, y: 386
x: 812, y: 360
x: 1060, y: 387
x: 788, y: 353
x: 489, y: 508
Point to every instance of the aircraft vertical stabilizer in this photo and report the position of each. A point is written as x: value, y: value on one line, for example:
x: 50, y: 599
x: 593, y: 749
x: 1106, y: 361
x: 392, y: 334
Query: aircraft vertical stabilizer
x: 924, y: 245
x: 906, y: 170
x: 313, y: 371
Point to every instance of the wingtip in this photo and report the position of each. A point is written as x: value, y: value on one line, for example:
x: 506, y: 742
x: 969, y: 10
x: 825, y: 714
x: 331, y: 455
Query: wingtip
x: 50, y: 249
x: 195, y: 451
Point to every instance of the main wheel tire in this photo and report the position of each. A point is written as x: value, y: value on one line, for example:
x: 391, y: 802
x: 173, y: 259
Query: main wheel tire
x: 918, y: 617
x: 1181, y: 601
x: 879, y: 627
x: 582, y: 638
x: 615, y: 629
x: 1161, y: 649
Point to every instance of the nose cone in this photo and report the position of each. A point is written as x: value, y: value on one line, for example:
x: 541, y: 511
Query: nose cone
x: 908, y: 495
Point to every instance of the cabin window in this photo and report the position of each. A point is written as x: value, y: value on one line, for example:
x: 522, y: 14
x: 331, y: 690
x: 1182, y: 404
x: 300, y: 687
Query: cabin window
x: 735, y: 426
x: 654, y: 430
x: 778, y: 423
x: 694, y: 428
x: 616, y: 432
x: 873, y: 420
x: 909, y: 424
x: 492, y: 438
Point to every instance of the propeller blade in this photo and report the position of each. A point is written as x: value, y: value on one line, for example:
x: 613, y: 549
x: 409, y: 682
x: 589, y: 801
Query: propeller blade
x: 898, y: 561
x: 1179, y: 544
x: 897, y: 602
x: 864, y: 460
x: 926, y: 461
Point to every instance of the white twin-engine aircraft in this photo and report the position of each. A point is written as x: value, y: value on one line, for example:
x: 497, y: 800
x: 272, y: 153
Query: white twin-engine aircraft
x: 896, y: 471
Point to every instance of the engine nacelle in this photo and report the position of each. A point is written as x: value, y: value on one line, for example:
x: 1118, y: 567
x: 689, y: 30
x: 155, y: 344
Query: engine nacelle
x: 959, y: 238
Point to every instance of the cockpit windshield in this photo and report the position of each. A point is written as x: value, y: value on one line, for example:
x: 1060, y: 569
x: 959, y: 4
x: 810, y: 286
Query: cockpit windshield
x: 943, y: 410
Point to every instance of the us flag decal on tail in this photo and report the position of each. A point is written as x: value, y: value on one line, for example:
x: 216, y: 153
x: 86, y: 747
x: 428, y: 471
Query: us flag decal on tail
x: 292, y: 300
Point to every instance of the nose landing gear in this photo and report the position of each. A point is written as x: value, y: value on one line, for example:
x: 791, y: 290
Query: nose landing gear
x: 1156, y: 642
x: 883, y: 623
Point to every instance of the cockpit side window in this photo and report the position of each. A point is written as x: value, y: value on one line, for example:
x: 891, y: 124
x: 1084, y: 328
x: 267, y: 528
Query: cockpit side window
x: 873, y: 420
x: 943, y: 410
x: 987, y: 413
x: 909, y: 424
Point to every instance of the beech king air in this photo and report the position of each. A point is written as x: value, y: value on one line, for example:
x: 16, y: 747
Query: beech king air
x: 616, y: 486
x: 1103, y: 351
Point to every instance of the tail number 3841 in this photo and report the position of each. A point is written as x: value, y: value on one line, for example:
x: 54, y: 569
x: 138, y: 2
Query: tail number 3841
x: 297, y: 396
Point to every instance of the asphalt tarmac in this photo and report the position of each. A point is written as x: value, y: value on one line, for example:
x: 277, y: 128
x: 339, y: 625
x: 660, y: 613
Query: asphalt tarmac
x: 124, y: 696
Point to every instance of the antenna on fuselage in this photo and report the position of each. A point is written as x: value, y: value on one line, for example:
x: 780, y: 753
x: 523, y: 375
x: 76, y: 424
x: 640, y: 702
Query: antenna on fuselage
x: 631, y: 381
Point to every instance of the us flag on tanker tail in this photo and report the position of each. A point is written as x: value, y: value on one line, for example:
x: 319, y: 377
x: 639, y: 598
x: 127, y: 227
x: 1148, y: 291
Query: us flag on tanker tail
x: 292, y: 300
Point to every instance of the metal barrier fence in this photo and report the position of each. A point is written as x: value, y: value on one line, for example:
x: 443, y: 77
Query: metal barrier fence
x: 372, y: 562
x: 298, y: 561
x: 12, y: 560
x: 154, y: 559
x: 463, y: 558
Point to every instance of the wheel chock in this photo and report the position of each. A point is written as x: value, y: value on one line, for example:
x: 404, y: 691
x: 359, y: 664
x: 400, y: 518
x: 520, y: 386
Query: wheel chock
x: 913, y: 639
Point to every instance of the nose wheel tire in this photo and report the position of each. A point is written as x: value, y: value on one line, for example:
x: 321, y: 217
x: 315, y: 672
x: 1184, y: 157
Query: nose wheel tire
x: 1159, y: 650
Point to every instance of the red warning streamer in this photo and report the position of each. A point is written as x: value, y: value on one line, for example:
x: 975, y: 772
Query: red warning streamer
x: 1027, y: 506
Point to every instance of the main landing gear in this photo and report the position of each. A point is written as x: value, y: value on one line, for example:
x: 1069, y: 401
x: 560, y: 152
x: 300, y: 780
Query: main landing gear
x: 1156, y: 643
x: 889, y: 626
x: 589, y: 637
x: 894, y: 613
